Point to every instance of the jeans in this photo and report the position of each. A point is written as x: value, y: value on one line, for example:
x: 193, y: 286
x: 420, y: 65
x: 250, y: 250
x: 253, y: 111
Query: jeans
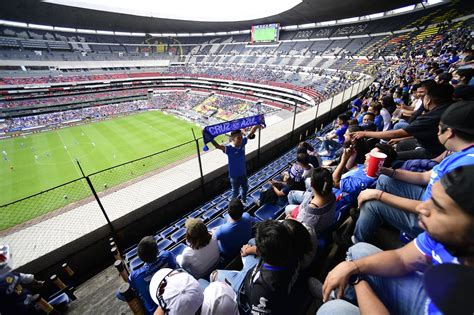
x: 402, y: 123
x: 331, y: 145
x: 400, y: 295
x: 373, y: 213
x: 236, y: 278
x: 239, y: 182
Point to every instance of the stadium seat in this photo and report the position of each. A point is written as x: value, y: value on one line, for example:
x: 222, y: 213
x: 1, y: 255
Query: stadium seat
x: 135, y: 263
x: 206, y: 207
x: 196, y: 213
x: 268, y: 211
x: 215, y: 223
x: 178, y: 249
x: 164, y: 244
x: 210, y: 214
x: 227, y: 194
x: 131, y: 253
x: 178, y: 235
x: 221, y: 206
x: 180, y: 223
x: 167, y: 231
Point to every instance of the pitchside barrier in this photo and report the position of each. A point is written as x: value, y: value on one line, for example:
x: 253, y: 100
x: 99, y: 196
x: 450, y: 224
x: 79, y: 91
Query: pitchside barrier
x: 46, y: 227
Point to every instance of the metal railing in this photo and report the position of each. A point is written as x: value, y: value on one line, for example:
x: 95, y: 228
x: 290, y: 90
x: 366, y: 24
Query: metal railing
x: 66, y: 212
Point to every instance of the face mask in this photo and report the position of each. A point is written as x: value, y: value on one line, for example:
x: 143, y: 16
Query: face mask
x: 454, y: 81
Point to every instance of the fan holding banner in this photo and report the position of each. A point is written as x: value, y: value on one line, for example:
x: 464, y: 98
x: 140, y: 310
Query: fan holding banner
x: 235, y: 149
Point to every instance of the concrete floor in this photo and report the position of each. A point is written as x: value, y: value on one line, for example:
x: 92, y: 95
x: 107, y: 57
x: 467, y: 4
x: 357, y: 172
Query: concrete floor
x: 97, y: 295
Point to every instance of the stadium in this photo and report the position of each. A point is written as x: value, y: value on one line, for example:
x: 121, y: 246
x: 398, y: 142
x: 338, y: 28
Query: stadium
x: 280, y: 157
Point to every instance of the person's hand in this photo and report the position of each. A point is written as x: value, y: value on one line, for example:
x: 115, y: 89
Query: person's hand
x: 366, y: 195
x: 338, y: 279
x: 347, y: 153
x: 394, y: 141
x: 358, y: 135
x: 244, y: 250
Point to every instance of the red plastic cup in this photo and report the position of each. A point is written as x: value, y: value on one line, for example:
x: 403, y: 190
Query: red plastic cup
x: 375, y: 162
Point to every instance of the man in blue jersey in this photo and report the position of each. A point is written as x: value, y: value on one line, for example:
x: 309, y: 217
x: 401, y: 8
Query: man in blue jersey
x: 235, y: 151
x: 236, y: 232
x: 399, y: 192
x: 335, y: 139
x: 154, y: 261
x: 385, y: 281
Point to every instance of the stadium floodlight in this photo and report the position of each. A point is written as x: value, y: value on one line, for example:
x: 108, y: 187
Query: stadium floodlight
x: 11, y: 23
x: 105, y: 32
x: 375, y: 15
x: 403, y: 9
x: 189, y: 10
x: 85, y: 31
x: 65, y: 29
x: 40, y: 27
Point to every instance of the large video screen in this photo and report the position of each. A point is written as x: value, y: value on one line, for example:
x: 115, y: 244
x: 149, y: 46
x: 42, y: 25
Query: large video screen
x: 265, y: 33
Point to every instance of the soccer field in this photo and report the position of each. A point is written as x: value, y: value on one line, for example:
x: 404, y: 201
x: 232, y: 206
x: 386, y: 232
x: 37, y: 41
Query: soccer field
x: 37, y: 162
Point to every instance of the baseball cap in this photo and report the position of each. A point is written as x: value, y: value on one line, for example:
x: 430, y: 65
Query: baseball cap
x: 459, y: 116
x: 183, y: 295
x: 219, y: 298
x: 458, y: 185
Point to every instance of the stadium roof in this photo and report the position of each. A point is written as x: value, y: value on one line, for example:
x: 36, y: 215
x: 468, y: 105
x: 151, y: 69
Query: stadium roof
x: 307, y: 11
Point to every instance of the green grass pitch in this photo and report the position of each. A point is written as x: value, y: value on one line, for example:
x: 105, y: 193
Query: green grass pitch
x: 37, y: 162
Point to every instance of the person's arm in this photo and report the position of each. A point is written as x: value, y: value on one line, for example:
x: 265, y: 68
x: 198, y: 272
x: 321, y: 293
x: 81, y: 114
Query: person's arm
x: 277, y: 191
x: 253, y: 130
x: 215, y: 144
x: 369, y: 303
x: 416, y: 178
x: 405, y: 204
x: 331, y: 136
x: 397, y: 140
x: 337, y: 174
x: 440, y: 157
x: 389, y: 134
x: 218, y: 146
x: 392, y: 263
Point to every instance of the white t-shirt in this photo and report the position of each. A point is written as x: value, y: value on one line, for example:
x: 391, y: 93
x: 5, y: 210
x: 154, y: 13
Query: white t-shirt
x: 386, y: 119
x: 418, y: 103
x: 200, y: 262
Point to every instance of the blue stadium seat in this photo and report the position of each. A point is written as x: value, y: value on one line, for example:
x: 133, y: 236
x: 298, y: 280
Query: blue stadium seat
x: 255, y: 195
x: 217, y: 200
x: 180, y: 223
x: 210, y: 214
x: 405, y: 238
x: 221, y: 206
x: 268, y: 211
x: 196, y: 213
x: 178, y: 235
x: 167, y: 231
x: 164, y: 244
x: 206, y: 207
x: 227, y: 194
x: 131, y: 253
x: 178, y: 249
x: 215, y: 223
x: 60, y: 298
x: 135, y: 263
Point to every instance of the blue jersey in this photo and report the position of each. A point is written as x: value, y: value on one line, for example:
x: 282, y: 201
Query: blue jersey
x: 140, y: 279
x: 354, y: 181
x: 233, y: 235
x: 237, y: 167
x: 437, y: 254
x: 451, y: 162
x: 340, y: 133
x: 378, y: 121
